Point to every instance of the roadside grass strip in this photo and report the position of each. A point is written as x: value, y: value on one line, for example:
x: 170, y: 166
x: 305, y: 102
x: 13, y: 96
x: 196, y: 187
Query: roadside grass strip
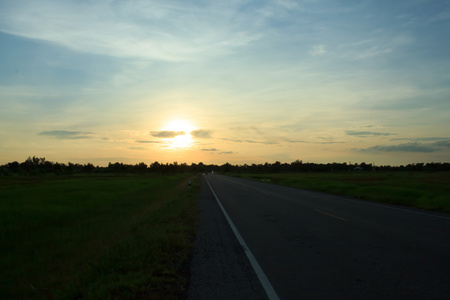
x: 97, y: 237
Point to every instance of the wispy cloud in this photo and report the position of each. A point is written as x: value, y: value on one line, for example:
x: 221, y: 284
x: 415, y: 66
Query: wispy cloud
x: 70, y: 135
x: 317, y: 50
x: 443, y: 15
x: 330, y: 142
x: 265, y: 142
x: 324, y: 140
x: 202, y: 133
x: 233, y: 140
x: 422, y: 139
x: 378, y: 44
x: 271, y: 77
x: 414, y: 147
x: 443, y: 144
x: 167, y: 134
x: 248, y: 129
x: 367, y: 133
x: 250, y: 141
x: 226, y: 152
x: 373, y: 51
x: 148, y: 142
x: 174, y: 31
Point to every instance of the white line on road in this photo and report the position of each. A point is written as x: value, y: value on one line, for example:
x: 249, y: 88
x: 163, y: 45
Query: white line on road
x: 259, y: 272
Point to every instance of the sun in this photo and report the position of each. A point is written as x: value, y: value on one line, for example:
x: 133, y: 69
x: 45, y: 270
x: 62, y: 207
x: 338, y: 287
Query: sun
x: 179, y: 125
x: 182, y: 131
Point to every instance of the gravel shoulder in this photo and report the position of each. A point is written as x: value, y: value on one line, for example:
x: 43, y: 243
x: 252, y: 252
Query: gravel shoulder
x: 219, y: 267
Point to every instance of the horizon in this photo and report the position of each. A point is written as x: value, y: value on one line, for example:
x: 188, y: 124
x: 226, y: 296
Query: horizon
x: 245, y: 82
x: 148, y: 164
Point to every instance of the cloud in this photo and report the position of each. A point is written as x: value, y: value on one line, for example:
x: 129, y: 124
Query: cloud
x: 217, y: 151
x: 248, y: 129
x: 260, y: 142
x: 167, y: 134
x: 425, y: 139
x: 324, y: 140
x: 268, y: 143
x: 406, y: 97
x: 148, y: 142
x: 367, y: 133
x: 413, y: 147
x: 443, y: 144
x: 70, y: 135
x: 293, y: 141
x: 317, y: 50
x: 331, y: 142
x: 138, y: 148
x: 441, y: 16
x: 250, y: 141
x: 374, y: 51
x: 226, y: 152
x: 169, y: 31
x: 201, y: 133
x: 233, y: 140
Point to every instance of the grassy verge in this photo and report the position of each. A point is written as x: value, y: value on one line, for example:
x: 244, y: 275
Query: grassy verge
x: 96, y: 237
x: 417, y: 189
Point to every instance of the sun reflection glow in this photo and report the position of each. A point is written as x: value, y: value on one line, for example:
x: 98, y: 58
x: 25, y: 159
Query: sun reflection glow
x: 180, y: 141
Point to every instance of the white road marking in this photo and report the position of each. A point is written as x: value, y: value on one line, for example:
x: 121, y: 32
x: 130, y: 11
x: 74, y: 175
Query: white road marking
x: 259, y: 272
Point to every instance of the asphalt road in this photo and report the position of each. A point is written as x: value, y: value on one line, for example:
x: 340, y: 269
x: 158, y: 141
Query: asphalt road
x: 318, y: 246
x: 219, y: 266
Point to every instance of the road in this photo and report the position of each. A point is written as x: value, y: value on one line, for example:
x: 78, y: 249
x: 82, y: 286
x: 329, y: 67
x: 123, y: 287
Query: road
x: 317, y: 246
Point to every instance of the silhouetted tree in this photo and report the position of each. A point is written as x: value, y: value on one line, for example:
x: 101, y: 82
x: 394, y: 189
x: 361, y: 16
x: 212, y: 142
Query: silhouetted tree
x: 39, y: 165
x: 88, y: 168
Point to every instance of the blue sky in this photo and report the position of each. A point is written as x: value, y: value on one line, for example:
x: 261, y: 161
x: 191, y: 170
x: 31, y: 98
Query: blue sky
x: 225, y: 81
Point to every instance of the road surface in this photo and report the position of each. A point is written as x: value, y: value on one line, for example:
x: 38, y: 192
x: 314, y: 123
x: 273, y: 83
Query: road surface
x: 317, y: 246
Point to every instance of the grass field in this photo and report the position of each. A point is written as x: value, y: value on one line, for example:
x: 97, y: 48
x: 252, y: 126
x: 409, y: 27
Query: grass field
x: 96, y: 237
x: 416, y: 189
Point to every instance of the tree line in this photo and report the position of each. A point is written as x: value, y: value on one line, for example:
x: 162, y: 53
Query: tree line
x: 39, y: 165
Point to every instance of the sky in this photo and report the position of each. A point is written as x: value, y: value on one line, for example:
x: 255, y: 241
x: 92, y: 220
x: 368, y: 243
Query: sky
x: 225, y: 81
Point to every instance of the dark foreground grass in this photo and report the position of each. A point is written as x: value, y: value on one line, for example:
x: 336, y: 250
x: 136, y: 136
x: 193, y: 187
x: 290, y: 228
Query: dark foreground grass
x: 417, y: 189
x: 96, y: 237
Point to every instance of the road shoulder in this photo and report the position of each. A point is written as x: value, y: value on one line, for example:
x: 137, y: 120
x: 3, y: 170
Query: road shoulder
x: 219, y: 267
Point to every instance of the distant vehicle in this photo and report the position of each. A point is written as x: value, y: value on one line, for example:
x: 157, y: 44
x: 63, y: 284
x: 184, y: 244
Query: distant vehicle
x: 358, y: 169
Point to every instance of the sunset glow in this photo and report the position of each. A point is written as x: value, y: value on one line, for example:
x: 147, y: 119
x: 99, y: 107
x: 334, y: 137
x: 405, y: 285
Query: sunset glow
x: 216, y: 82
x: 182, y: 138
x: 179, y: 125
x: 181, y: 141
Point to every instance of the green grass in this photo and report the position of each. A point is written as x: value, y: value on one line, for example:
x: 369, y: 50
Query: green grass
x: 96, y: 237
x: 416, y: 189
